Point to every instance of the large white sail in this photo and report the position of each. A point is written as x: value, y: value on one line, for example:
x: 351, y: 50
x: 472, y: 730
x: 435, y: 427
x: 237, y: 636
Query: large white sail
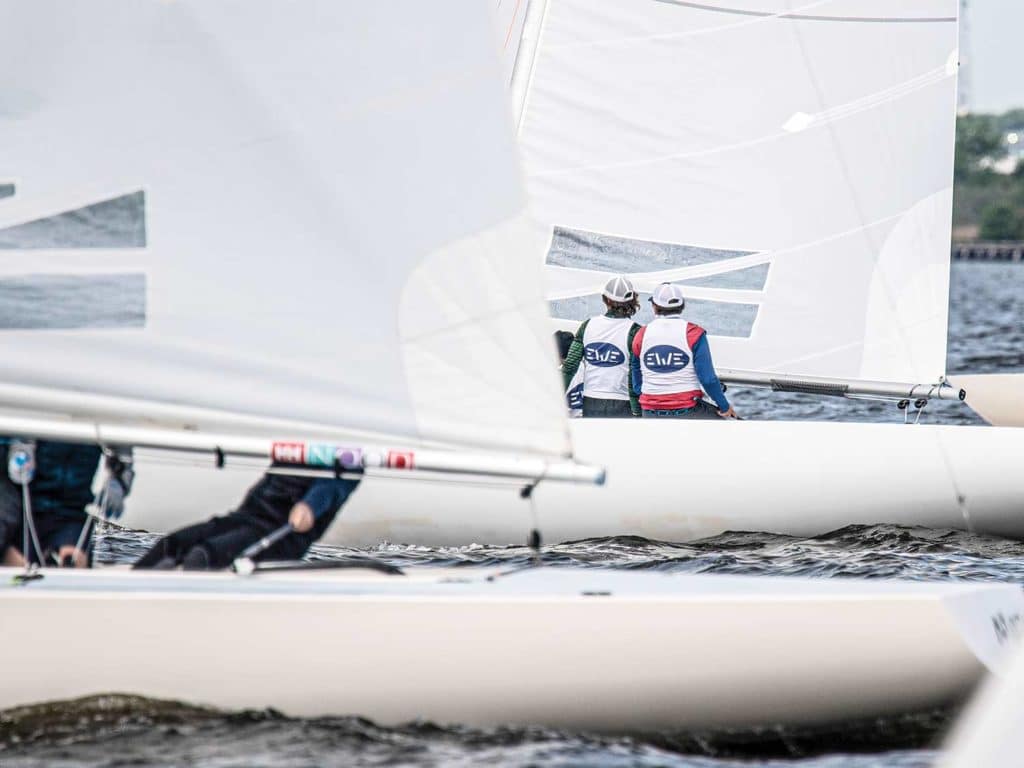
x: 284, y: 212
x: 788, y: 162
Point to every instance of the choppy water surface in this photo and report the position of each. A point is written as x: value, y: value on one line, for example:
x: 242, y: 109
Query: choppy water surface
x: 986, y: 335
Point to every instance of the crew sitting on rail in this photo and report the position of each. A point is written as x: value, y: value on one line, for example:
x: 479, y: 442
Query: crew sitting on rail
x: 58, y: 480
x: 671, y: 364
x: 307, y: 504
x: 602, y: 345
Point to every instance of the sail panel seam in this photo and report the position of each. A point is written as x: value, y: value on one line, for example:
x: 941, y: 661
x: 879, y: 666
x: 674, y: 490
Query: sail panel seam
x: 822, y: 119
x: 789, y: 16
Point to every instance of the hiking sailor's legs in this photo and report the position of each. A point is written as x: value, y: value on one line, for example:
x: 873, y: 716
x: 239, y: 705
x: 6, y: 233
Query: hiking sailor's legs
x: 174, y: 546
x: 308, y: 504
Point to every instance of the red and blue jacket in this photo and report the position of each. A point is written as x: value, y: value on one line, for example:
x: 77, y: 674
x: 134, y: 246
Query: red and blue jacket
x: 696, y: 338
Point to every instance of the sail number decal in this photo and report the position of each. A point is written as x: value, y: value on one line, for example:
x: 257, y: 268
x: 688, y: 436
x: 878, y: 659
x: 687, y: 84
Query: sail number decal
x: 288, y: 452
x: 317, y: 454
x: 331, y: 455
x: 400, y: 460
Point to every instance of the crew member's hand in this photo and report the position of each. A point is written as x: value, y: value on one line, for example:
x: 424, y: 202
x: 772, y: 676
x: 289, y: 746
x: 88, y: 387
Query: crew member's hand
x: 730, y: 414
x: 301, y: 517
x: 77, y: 556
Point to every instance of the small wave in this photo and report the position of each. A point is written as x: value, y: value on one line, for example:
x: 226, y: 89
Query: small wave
x: 856, y: 551
x: 115, y: 729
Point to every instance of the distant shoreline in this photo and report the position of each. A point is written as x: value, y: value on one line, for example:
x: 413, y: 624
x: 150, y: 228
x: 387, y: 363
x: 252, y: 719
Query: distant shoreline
x: 999, y: 251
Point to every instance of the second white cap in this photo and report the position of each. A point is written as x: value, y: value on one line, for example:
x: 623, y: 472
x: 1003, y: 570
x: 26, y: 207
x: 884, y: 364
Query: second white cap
x: 668, y: 296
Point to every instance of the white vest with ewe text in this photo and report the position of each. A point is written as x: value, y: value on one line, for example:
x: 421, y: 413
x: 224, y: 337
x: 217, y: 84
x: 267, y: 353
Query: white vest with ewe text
x: 606, y: 357
x: 666, y: 359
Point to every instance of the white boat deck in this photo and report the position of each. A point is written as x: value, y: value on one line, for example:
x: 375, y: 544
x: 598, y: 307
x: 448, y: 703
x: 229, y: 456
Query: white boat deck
x: 543, y: 581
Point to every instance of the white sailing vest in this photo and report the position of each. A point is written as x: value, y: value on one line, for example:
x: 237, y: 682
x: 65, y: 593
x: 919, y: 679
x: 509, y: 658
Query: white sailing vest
x: 606, y: 357
x: 666, y: 359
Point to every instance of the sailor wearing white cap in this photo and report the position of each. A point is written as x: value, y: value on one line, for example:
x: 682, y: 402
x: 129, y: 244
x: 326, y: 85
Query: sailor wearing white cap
x: 670, y: 364
x: 602, y: 346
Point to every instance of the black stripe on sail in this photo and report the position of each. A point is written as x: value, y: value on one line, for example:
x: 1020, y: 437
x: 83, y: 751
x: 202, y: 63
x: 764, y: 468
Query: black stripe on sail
x: 580, y: 249
x: 746, y: 279
x: 64, y: 302
x: 116, y: 223
x: 809, y: 17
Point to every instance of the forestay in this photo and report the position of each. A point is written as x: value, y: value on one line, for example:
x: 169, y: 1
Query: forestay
x: 271, y: 212
x: 789, y: 163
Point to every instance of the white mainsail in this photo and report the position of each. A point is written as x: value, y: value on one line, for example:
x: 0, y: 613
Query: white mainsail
x: 271, y: 213
x: 789, y: 163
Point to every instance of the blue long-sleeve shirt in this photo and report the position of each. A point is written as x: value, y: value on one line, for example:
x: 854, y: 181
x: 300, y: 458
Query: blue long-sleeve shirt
x: 706, y: 373
x: 328, y: 495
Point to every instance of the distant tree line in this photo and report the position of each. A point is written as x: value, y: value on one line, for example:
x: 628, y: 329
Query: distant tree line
x: 986, y: 201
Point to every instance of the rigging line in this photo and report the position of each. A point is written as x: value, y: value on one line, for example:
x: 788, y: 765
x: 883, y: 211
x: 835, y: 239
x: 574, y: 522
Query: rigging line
x: 961, y: 499
x: 101, y: 504
x: 30, y: 529
x: 807, y: 17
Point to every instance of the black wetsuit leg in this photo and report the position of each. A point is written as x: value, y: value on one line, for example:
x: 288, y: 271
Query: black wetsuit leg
x: 217, y: 542
x: 601, y: 408
x: 220, y: 551
x: 175, y: 546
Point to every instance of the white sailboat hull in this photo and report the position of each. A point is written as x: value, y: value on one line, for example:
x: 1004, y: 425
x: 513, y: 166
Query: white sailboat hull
x: 675, y: 481
x: 601, y: 650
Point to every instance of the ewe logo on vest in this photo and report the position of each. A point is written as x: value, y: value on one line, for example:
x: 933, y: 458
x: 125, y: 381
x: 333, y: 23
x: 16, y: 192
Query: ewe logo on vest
x: 575, y: 397
x: 603, y: 355
x: 665, y: 358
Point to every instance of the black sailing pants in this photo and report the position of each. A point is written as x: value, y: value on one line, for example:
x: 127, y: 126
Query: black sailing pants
x: 601, y: 408
x: 216, y: 543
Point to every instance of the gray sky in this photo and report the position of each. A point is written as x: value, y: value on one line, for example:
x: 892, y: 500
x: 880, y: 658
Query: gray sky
x: 996, y: 50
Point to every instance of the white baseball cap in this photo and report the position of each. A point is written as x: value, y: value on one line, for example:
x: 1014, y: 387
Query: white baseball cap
x: 619, y: 288
x: 668, y: 296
